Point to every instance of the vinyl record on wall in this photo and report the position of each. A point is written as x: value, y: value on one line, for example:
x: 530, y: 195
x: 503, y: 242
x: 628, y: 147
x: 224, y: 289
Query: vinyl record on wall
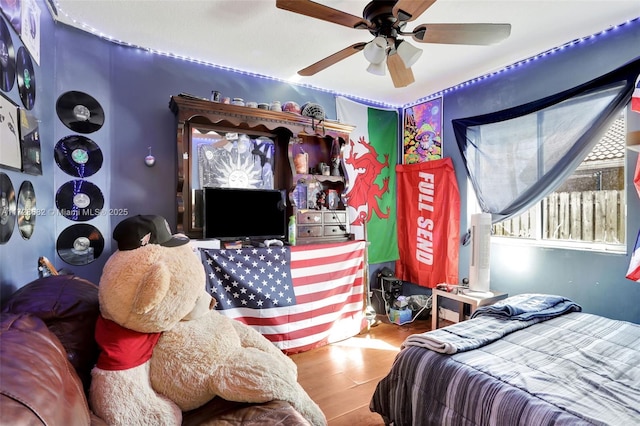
x: 26, y: 78
x: 79, y: 200
x: 78, y: 156
x: 7, y: 58
x: 26, y: 210
x: 8, y: 208
x: 80, y: 112
x: 80, y: 244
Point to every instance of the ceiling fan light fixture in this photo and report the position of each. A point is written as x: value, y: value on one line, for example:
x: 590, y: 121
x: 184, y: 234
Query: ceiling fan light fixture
x: 408, y: 53
x: 377, y: 69
x: 376, y: 50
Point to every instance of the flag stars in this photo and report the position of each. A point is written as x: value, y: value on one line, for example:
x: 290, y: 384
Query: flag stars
x: 255, y: 278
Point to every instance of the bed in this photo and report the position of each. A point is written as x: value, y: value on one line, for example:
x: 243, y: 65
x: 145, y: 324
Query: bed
x: 527, y: 360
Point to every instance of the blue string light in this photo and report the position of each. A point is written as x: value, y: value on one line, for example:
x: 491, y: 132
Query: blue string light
x: 365, y: 100
x: 522, y: 62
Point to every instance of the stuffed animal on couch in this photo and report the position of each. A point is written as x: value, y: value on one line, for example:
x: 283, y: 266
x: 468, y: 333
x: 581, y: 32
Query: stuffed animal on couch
x: 164, y: 349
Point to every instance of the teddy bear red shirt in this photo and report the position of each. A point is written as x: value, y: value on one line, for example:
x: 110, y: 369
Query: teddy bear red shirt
x: 122, y: 348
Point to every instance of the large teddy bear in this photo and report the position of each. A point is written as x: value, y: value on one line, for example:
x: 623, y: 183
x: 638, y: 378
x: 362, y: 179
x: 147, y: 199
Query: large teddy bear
x: 164, y: 349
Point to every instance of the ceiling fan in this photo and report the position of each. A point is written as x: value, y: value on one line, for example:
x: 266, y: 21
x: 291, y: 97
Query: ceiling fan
x: 386, y: 20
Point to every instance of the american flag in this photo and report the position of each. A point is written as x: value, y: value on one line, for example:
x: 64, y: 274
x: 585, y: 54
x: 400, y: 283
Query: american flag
x: 298, y: 297
x: 635, y: 97
x: 633, y: 273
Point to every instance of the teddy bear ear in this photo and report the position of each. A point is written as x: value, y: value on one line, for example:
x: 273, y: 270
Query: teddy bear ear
x: 153, y: 288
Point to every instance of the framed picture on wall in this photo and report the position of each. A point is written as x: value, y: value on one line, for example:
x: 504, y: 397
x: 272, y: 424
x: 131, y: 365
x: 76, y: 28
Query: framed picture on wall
x: 10, y: 154
x: 30, y: 144
x: 422, y: 132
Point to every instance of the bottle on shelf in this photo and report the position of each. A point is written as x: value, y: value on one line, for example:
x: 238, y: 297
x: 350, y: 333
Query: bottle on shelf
x: 292, y: 230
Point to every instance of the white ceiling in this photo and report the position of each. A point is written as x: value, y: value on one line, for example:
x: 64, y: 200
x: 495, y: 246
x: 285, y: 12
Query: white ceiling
x: 255, y: 36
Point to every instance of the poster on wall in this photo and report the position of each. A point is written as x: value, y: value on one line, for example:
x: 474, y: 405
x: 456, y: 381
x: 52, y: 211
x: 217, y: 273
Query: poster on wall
x: 30, y: 28
x: 12, y: 10
x: 10, y: 155
x: 30, y: 144
x: 422, y: 132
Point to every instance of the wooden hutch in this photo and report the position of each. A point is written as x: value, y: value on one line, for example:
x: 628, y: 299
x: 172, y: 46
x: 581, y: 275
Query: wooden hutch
x: 318, y: 220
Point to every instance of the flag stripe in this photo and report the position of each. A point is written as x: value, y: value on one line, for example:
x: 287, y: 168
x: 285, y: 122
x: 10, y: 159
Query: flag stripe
x: 633, y: 273
x: 298, y: 297
x: 635, y: 98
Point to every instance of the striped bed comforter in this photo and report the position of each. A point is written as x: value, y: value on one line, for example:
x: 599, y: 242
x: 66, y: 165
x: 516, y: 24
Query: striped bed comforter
x: 576, y: 368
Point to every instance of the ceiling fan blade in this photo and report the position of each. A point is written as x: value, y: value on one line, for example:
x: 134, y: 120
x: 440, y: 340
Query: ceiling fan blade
x: 409, y: 10
x: 320, y: 11
x: 400, y: 75
x: 474, y: 34
x: 332, y: 59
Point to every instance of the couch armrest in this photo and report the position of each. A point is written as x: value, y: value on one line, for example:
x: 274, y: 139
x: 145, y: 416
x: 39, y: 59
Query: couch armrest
x: 37, y: 382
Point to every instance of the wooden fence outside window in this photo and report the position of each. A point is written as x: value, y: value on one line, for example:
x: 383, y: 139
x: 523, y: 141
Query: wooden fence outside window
x: 587, y: 216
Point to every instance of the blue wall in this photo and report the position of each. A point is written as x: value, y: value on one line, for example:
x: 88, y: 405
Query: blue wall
x: 134, y: 87
x: 594, y: 280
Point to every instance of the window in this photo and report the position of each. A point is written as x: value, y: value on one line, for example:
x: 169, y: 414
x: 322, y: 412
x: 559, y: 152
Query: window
x: 589, y: 209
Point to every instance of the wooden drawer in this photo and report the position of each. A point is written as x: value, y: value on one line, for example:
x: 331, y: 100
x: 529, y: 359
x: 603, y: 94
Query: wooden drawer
x: 314, y: 218
x: 310, y: 231
x: 333, y: 230
x: 335, y: 217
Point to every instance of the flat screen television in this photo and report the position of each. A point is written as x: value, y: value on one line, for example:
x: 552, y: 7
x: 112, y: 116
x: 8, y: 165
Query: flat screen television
x: 241, y: 214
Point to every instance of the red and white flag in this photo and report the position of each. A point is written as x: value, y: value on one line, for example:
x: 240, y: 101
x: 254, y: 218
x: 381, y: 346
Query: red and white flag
x: 636, y: 176
x: 634, y: 264
x: 635, y: 98
x: 298, y: 297
x: 429, y: 223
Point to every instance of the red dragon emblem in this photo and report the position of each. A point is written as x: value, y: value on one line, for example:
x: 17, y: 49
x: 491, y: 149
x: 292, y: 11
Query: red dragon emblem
x: 364, y: 193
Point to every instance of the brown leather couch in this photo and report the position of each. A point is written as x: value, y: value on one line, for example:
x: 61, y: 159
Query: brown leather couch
x: 47, y: 351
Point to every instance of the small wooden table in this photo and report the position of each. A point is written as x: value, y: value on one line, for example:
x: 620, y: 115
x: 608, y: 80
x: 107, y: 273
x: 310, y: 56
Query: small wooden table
x: 474, y: 300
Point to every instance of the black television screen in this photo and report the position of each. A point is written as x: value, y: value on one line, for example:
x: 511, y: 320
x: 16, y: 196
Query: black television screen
x: 235, y: 213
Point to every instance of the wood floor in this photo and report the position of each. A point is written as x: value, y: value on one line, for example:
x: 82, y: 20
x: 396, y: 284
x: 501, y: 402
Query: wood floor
x: 341, y: 377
